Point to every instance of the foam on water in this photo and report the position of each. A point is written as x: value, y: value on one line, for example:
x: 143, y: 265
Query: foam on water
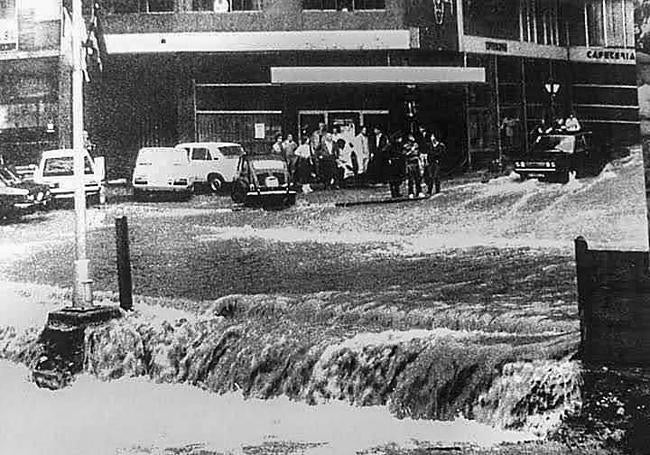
x: 502, y: 213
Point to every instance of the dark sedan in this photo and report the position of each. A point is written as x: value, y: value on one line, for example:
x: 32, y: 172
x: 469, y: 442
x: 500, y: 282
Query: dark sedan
x: 18, y: 197
x: 263, y: 180
x: 557, y: 156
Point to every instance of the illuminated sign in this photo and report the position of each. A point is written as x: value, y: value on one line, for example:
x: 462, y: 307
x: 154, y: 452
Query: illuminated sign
x: 8, y: 26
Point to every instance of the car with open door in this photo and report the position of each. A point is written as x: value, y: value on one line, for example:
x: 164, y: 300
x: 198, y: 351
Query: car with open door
x: 263, y: 180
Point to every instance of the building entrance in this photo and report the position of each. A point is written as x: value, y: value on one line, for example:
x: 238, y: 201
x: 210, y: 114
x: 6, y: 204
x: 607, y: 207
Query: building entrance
x: 348, y: 121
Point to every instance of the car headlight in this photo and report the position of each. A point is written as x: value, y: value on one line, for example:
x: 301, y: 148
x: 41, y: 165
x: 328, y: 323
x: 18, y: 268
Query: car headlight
x: 29, y: 197
x: 53, y: 185
x: 39, y: 196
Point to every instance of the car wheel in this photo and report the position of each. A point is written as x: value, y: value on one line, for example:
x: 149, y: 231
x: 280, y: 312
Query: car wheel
x: 215, y: 182
x: 523, y: 177
x: 290, y: 200
x: 138, y: 195
x: 562, y: 176
x: 92, y: 199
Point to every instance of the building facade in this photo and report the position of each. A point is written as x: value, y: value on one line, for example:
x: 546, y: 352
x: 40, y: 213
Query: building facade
x: 474, y: 71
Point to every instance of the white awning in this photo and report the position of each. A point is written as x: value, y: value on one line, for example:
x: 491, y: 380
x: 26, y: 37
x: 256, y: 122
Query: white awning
x: 376, y: 75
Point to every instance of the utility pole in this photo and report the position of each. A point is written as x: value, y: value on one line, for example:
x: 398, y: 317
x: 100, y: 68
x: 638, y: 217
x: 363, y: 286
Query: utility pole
x: 82, y: 297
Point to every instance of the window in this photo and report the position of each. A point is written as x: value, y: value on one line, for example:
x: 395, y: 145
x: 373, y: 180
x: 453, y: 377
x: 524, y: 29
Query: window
x: 231, y: 150
x: 244, y: 5
x: 615, y: 23
x: 64, y: 166
x: 344, y: 5
x: 139, y: 6
x: 201, y: 154
x: 595, y: 23
x: 491, y: 18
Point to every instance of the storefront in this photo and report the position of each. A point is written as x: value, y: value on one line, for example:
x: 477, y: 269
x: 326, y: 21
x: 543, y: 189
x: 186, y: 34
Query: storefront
x: 250, y: 98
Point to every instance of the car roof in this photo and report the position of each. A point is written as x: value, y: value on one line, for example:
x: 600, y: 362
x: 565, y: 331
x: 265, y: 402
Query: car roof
x: 208, y: 144
x: 166, y: 149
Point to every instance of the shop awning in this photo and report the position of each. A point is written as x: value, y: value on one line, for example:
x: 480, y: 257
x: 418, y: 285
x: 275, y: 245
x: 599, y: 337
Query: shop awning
x: 376, y: 75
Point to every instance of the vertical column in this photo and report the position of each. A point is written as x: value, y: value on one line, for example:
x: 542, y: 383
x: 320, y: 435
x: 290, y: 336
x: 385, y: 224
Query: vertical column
x: 524, y: 103
x: 185, y: 108
x: 497, y: 108
x: 64, y: 118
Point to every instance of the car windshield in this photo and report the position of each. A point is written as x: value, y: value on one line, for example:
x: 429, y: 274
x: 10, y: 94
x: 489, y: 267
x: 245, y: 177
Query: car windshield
x: 5, y: 181
x: 63, y: 166
x: 8, y: 176
x: 554, y: 142
x: 164, y: 156
x: 231, y: 150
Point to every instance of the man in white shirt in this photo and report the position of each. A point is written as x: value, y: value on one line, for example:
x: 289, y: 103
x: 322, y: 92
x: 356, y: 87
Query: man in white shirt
x: 362, y: 150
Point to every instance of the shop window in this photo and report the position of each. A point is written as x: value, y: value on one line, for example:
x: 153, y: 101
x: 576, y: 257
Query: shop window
x: 344, y: 5
x: 480, y: 129
x: 595, y: 23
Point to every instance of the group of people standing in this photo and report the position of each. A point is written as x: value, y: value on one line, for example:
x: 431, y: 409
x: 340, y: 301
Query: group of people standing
x: 415, y: 157
x: 330, y: 156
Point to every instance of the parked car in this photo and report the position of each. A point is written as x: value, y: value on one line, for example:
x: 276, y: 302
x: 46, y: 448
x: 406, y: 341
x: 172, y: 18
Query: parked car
x: 18, y: 197
x: 554, y: 156
x: 56, y: 170
x: 162, y: 170
x: 263, y: 180
x: 213, y: 163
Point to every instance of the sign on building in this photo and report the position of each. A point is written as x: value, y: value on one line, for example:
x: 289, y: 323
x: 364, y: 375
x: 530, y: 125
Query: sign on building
x: 620, y: 56
x: 8, y: 25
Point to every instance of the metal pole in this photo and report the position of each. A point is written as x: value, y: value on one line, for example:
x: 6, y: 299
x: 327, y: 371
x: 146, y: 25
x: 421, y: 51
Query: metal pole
x: 123, y: 263
x: 82, y: 297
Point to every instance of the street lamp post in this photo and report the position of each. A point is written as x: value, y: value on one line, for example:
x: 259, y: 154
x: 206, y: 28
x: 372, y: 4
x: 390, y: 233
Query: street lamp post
x: 82, y: 296
x: 552, y: 88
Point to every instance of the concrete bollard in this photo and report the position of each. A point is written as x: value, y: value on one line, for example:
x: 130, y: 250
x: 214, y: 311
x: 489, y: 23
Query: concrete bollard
x: 123, y: 263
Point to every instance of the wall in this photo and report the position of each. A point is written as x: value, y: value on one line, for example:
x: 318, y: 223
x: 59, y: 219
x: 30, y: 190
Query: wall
x: 614, y: 305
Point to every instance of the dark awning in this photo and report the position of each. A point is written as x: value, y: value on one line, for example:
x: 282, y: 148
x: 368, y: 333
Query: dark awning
x: 376, y: 75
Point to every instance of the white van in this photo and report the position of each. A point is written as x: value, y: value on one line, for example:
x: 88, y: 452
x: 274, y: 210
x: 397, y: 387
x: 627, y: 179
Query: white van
x: 56, y: 170
x: 213, y: 163
x: 162, y: 169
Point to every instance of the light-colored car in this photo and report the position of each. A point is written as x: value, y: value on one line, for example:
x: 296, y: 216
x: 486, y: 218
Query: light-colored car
x: 162, y: 170
x: 56, y: 170
x: 213, y: 163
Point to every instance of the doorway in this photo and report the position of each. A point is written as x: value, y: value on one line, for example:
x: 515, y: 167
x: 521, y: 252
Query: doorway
x: 348, y: 121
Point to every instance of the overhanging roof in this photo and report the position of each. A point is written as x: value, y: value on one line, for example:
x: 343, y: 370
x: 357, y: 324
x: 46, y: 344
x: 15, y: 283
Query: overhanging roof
x: 376, y: 75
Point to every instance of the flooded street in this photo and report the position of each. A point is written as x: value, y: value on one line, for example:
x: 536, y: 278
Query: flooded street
x: 460, y: 310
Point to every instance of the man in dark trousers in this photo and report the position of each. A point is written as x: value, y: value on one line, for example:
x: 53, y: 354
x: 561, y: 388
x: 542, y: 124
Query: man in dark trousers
x: 412, y: 156
x: 376, y: 167
x: 396, y: 165
x: 435, y: 151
